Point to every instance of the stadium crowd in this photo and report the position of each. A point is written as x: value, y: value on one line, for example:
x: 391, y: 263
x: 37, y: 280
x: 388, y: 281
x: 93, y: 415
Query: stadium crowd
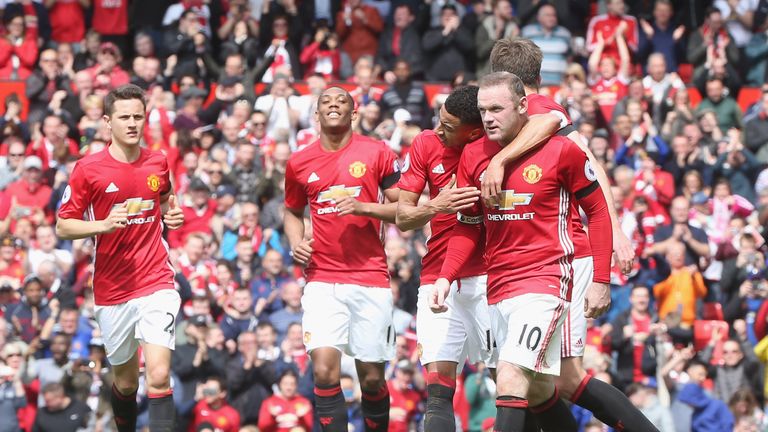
x: 232, y: 86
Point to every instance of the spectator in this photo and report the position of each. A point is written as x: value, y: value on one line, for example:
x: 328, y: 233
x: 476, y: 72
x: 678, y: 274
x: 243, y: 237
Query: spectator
x: 738, y: 371
x: 645, y: 399
x: 480, y: 390
x: 46, y: 85
x: 651, y: 181
x: 18, y: 47
x: 322, y: 56
x: 746, y: 411
x: 554, y: 41
x: 239, y: 318
x: 400, y: 40
x: 739, y: 19
x: 67, y: 20
x: 80, y: 334
x: 709, y: 414
x: 198, y: 212
x: 46, y: 251
x: 60, y: 412
x: 680, y: 230
x: 756, y: 53
x: 240, y: 32
x: 358, y: 27
x: 50, y: 370
x: 711, y: 41
x: 12, y: 396
x: 248, y: 230
x: 352, y: 398
x: 405, y: 402
x: 266, y: 287
x: 756, y: 131
x: 678, y: 116
x: 256, y: 132
x: 447, y: 46
x: 718, y: 67
x: 662, y: 37
x: 738, y: 165
x: 28, y: 317
x: 679, y: 292
x: 266, y: 338
x: 605, y: 31
x: 630, y: 331
x: 608, y: 76
x: 90, y: 49
x: 281, y: 53
x: 110, y: 20
x: 660, y: 84
x: 54, y: 147
x: 197, y: 270
x: 182, y: 43
x: 291, y: 312
x: 212, y: 408
x: 248, y: 378
x: 365, y: 92
x: 281, y: 107
x: 498, y: 25
x: 406, y: 94
x: 286, y: 410
x: 272, y: 181
x: 13, y: 167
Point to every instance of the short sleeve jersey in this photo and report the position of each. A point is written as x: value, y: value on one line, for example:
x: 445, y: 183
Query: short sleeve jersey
x: 133, y: 261
x: 538, y: 104
x: 529, y: 237
x: 432, y: 164
x: 347, y: 249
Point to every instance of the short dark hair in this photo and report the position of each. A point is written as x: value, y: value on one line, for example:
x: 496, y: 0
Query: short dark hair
x: 349, y: 96
x: 512, y: 81
x: 124, y: 92
x: 218, y: 379
x: 518, y: 56
x: 462, y: 103
x: 53, y: 387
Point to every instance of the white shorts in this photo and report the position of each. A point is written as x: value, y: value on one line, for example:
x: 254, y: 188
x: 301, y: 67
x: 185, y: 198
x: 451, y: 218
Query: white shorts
x: 575, y: 326
x: 527, y: 330
x: 151, y: 319
x: 462, y: 331
x: 354, y: 319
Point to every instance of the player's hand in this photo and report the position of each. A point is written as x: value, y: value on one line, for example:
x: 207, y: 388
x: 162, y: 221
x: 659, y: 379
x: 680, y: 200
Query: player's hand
x: 349, y: 206
x: 303, y: 251
x: 174, y: 217
x: 598, y: 300
x: 625, y: 255
x: 452, y: 199
x: 440, y: 291
x: 492, y: 182
x: 118, y: 218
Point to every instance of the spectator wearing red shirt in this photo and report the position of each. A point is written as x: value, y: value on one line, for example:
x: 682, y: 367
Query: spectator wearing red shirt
x: 212, y: 408
x: 27, y: 197
x: 610, y: 27
x: 200, y: 273
x: 197, y: 215
x: 11, y: 264
x: 54, y: 147
x: 630, y: 330
x: 108, y: 63
x: 359, y: 25
x: 322, y: 56
x: 110, y: 20
x: 286, y: 411
x: 18, y: 47
x: 67, y: 19
x: 405, y: 402
x: 608, y: 76
x: 652, y: 182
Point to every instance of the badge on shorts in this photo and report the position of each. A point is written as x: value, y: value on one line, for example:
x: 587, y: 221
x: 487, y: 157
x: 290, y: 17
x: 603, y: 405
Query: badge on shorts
x: 307, y: 337
x: 532, y: 174
x: 153, y: 182
x: 357, y: 169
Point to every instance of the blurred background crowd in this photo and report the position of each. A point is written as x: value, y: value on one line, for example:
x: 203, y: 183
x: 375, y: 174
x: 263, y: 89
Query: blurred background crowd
x: 671, y: 96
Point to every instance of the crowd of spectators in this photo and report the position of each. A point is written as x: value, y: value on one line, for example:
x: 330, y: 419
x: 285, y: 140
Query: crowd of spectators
x: 686, y: 335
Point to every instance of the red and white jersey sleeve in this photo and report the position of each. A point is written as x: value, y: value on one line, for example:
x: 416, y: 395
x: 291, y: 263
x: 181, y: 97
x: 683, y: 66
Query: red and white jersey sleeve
x: 347, y: 249
x: 431, y: 164
x: 133, y: 261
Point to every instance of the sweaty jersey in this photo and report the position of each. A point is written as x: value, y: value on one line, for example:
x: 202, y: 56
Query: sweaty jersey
x: 346, y: 249
x: 132, y: 261
x: 431, y: 163
x: 529, y: 246
x: 538, y: 104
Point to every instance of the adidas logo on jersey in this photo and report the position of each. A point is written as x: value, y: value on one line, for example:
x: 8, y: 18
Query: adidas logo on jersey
x: 111, y: 188
x: 438, y: 169
x: 313, y: 178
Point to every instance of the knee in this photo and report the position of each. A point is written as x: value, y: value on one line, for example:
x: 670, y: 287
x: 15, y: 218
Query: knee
x: 512, y: 381
x: 541, y: 391
x: 569, y: 381
x: 326, y: 374
x: 371, y: 383
x: 158, y: 377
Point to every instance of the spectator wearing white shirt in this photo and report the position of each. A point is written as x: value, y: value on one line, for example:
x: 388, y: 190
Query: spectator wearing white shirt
x: 46, y: 251
x: 739, y: 19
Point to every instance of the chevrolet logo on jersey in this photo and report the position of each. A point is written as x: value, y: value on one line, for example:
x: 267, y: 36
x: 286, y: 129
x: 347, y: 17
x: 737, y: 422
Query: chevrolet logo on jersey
x: 137, y: 206
x: 337, y: 192
x: 510, y: 199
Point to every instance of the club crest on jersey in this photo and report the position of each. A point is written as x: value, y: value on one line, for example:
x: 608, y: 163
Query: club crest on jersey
x: 337, y: 192
x: 357, y: 169
x: 532, y: 174
x: 153, y: 182
x: 307, y: 337
x: 510, y: 199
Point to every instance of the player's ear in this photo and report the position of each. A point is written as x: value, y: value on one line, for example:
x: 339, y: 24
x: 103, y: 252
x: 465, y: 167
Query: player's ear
x: 522, y: 107
x: 107, y: 119
x: 476, y: 134
x: 354, y: 114
x: 316, y: 116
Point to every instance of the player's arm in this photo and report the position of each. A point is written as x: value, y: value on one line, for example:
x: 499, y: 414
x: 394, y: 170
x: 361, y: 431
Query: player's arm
x: 535, y: 133
x: 466, y: 235
x: 293, y: 225
x: 451, y: 199
x: 625, y: 253
x: 390, y: 175
x: 73, y: 229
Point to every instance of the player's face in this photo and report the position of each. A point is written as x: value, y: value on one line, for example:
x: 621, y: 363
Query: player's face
x: 502, y: 116
x: 127, y: 121
x: 335, y: 111
x: 450, y: 130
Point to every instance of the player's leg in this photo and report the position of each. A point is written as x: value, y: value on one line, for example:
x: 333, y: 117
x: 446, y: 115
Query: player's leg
x: 117, y: 324
x: 156, y: 328
x: 550, y: 412
x: 512, y: 384
x: 326, y: 327
x: 607, y: 403
x: 162, y: 411
x: 371, y: 343
x: 441, y: 386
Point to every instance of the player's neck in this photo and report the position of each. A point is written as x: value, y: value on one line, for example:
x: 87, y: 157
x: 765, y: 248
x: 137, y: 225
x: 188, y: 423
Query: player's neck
x: 124, y: 153
x: 335, y: 141
x: 531, y: 90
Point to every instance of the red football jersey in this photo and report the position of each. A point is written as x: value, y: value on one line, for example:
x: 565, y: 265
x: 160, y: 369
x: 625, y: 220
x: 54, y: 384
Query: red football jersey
x: 538, y: 104
x: 110, y: 17
x: 347, y: 249
x: 431, y: 163
x: 532, y: 247
x: 133, y: 261
x: 608, y: 93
